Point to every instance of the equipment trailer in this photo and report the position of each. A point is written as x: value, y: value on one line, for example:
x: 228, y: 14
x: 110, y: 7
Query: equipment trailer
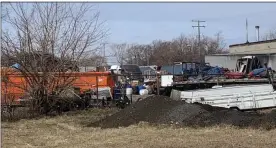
x: 243, y: 97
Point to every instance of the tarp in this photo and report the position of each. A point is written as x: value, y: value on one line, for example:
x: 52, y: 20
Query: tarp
x: 234, y: 75
x: 215, y: 71
x: 260, y: 72
x: 140, y: 87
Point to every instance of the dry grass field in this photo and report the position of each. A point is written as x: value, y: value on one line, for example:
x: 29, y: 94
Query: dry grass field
x: 70, y: 131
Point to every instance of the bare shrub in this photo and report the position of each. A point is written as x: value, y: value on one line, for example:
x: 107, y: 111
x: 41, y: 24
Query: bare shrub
x: 48, y: 40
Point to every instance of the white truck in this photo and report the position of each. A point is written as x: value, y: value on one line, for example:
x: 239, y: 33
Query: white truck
x: 243, y: 97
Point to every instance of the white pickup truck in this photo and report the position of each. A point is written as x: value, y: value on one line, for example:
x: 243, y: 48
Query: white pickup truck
x: 243, y: 97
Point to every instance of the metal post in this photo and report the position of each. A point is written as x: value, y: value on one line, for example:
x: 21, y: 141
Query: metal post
x: 246, y: 25
x: 257, y: 33
x: 157, y: 83
x: 182, y: 67
x: 131, y: 87
x: 217, y: 80
x: 268, y: 74
x: 198, y: 27
x: 172, y: 73
x: 97, y: 87
x: 103, y: 54
x: 182, y: 70
x: 147, y: 57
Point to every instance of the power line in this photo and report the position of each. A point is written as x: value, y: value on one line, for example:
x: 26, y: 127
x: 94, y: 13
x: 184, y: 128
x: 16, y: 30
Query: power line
x: 198, y: 29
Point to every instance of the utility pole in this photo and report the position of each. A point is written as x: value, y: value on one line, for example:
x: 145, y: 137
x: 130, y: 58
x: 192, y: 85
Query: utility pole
x: 103, y: 53
x: 104, y: 49
x: 246, y: 26
x: 147, y: 56
x: 198, y: 27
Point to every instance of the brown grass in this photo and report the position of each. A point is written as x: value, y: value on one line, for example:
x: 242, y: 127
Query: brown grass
x: 70, y: 131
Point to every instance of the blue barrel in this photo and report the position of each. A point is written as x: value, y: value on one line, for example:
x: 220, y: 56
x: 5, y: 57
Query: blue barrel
x: 117, y: 93
x: 141, y: 87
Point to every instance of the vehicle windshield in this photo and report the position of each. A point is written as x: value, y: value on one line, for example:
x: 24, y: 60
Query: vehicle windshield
x: 131, y: 68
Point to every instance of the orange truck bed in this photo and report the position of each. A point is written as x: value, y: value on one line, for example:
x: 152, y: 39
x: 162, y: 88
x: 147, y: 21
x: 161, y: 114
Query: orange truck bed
x: 12, y: 90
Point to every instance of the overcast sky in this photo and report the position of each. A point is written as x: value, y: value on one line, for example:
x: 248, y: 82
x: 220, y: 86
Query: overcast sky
x: 145, y: 22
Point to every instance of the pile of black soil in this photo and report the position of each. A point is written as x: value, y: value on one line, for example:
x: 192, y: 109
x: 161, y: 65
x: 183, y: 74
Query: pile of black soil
x: 148, y: 110
x: 163, y: 110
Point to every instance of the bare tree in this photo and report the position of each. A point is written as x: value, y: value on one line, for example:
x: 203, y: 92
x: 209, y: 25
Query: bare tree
x: 120, y: 52
x: 3, y: 13
x: 271, y: 35
x: 138, y: 54
x: 214, y: 45
x: 93, y: 60
x: 183, y: 48
x: 47, y: 40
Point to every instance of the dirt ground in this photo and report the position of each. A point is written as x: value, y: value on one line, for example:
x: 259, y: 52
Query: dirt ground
x: 163, y: 110
x: 71, y: 131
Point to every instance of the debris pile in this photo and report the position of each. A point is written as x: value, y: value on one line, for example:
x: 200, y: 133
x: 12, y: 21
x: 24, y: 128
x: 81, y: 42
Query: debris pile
x: 163, y: 110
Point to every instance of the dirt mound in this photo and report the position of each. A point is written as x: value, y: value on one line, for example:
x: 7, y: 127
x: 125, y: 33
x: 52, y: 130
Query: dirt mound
x: 148, y: 110
x: 163, y: 110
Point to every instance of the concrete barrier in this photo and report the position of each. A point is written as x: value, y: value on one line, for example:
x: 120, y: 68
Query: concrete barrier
x: 175, y: 94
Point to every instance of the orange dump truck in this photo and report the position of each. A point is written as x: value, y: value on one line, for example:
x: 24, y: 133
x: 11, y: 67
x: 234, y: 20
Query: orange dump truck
x: 13, y: 82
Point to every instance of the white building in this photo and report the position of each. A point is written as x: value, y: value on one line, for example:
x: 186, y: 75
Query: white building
x: 265, y: 51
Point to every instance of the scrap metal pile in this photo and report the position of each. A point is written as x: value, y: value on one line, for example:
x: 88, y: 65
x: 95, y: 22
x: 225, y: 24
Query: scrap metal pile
x: 246, y: 67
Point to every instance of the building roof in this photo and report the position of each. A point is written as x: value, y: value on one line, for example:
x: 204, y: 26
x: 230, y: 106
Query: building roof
x: 146, y: 69
x: 240, y: 54
x: 253, y: 43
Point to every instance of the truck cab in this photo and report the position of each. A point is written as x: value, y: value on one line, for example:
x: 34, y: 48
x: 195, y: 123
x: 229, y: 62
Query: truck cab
x: 133, y: 72
x: 247, y: 63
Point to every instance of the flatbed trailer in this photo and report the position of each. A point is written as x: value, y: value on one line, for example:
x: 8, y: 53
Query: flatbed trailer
x: 222, y: 81
x: 241, y: 97
x: 201, y: 84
